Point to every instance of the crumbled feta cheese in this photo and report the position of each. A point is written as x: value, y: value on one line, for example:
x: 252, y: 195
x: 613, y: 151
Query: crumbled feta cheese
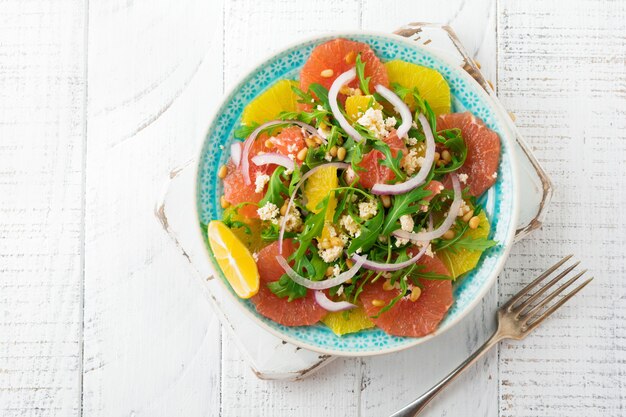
x: 406, y: 223
x: 441, y: 187
x: 350, y: 226
x: 429, y: 251
x: 255, y: 256
x: 373, y: 121
x: 336, y: 271
x: 340, y: 290
x: 268, y: 212
x: 323, y: 131
x: 463, y: 209
x: 320, y: 107
x: 494, y: 175
x: 331, y: 255
x: 328, y: 157
x: 293, y: 220
x: 292, y: 147
x: 411, y: 141
x: 463, y: 178
x: 350, y: 175
x: 332, y: 232
x: 261, y: 180
x: 367, y: 209
x: 401, y: 242
x: 390, y: 123
x: 386, y: 275
x: 414, y: 124
x: 411, y: 162
x: 344, y: 238
x: 291, y: 156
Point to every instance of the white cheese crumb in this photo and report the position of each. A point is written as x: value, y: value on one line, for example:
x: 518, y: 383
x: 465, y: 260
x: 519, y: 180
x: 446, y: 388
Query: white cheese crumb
x: 406, y: 223
x: 367, y: 209
x: 411, y: 162
x: 261, y: 180
x: 255, y: 255
x: 414, y: 124
x: 463, y: 209
x: 463, y: 178
x: 328, y: 157
x: 401, y: 242
x: 293, y: 220
x: 292, y: 147
x: 291, y: 156
x: 494, y: 175
x: 320, y: 107
x: 340, y: 290
x: 350, y: 226
x: 323, y: 132
x: 386, y: 275
x: 336, y: 272
x: 411, y: 141
x: 268, y: 212
x: 350, y: 176
x: 331, y: 255
x: 373, y: 121
x: 390, y: 123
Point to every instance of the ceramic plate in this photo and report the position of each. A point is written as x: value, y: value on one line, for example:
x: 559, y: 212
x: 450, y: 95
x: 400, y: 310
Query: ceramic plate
x: 500, y: 201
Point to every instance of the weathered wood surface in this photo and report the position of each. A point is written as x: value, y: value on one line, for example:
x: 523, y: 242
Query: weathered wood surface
x: 101, y: 101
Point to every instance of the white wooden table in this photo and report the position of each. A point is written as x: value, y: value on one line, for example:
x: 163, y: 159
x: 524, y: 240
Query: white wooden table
x: 99, y: 316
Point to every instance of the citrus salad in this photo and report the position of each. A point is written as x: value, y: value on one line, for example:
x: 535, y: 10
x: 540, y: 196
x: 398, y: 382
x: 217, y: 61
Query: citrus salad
x: 350, y: 197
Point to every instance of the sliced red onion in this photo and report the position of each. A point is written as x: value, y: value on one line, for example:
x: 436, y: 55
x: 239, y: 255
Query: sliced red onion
x: 388, y: 267
x: 245, y: 166
x: 447, y: 223
x: 338, y: 165
x: 400, y: 106
x: 273, y: 158
x: 420, y: 177
x: 339, y: 82
x: 320, y: 285
x: 329, y: 305
x: 235, y: 153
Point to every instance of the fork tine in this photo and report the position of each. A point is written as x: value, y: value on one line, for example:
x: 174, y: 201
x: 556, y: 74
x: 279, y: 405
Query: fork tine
x: 550, y: 284
x: 556, y: 306
x: 528, y: 315
x: 536, y: 281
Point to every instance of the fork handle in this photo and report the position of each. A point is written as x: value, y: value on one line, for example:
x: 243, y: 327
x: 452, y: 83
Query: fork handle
x: 415, y: 407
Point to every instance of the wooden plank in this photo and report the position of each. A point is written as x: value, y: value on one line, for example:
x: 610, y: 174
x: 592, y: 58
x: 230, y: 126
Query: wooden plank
x: 561, y: 71
x: 41, y: 154
x: 253, y: 31
x: 152, y: 346
x: 391, y: 381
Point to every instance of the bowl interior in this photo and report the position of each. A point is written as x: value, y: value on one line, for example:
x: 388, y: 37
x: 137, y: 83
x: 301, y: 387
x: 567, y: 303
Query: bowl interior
x: 499, y: 201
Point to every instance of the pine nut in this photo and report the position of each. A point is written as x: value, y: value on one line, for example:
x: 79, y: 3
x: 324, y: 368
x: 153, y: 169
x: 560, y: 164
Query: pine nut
x: 330, y: 271
x: 446, y: 156
x: 378, y: 303
x: 448, y: 235
x: 415, y: 294
x: 437, y: 156
x: 283, y: 209
x: 339, y: 141
x: 327, y: 73
x: 387, y: 286
x: 349, y: 263
x: 309, y: 142
x: 335, y: 241
x: 318, y: 140
x: 269, y: 144
x: 224, y: 203
x: 325, y: 244
x: 333, y: 151
x: 341, y: 153
x: 302, y: 154
x: 474, y: 222
x: 467, y: 216
x: 357, y: 92
x: 345, y: 90
x: 386, y: 201
x: 222, y: 172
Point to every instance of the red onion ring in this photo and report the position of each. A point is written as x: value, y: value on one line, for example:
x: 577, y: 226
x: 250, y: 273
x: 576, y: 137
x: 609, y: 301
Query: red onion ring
x: 235, y: 153
x: 273, y: 158
x: 339, y: 165
x: 400, y: 106
x: 339, y: 82
x: 320, y: 285
x: 329, y: 305
x: 245, y: 166
x: 447, y: 223
x: 418, y: 179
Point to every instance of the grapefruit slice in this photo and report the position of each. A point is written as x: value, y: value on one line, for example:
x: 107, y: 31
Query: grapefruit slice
x: 234, y: 259
x: 289, y: 141
x: 464, y: 260
x: 431, y: 85
x: 483, y: 149
x: 236, y: 191
x: 299, y: 312
x: 267, y: 106
x: 339, y: 55
x: 351, y: 321
x: 408, y: 318
x: 373, y: 172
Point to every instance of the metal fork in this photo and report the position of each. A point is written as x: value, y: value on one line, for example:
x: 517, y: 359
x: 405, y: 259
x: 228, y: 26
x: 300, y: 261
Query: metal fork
x: 516, y: 319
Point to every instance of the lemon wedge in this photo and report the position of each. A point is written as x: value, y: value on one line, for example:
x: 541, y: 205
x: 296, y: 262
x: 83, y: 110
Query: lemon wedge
x: 234, y: 259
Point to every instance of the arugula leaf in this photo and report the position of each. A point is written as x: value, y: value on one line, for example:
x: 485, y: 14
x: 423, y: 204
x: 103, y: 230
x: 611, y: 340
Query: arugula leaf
x: 360, y: 72
x: 403, y: 204
x: 235, y: 224
x: 286, y: 287
x: 321, y: 93
x: 275, y: 189
x: 403, y: 288
x: 244, y: 131
x: 313, y: 226
x: 468, y: 243
x: 369, y: 232
x: 453, y: 141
